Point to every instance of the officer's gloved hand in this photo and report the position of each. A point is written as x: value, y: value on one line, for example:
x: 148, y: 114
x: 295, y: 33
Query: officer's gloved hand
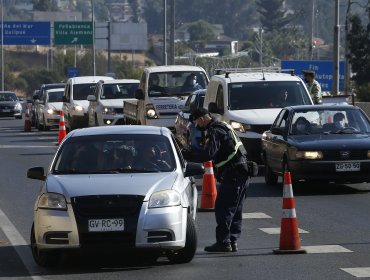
x: 186, y: 153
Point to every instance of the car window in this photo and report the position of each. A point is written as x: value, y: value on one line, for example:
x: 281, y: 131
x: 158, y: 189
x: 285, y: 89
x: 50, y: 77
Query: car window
x: 55, y: 96
x: 328, y: 121
x: 175, y: 83
x: 119, y: 91
x: 8, y: 96
x: 81, y: 91
x: 220, y: 98
x: 115, y: 153
x: 261, y: 95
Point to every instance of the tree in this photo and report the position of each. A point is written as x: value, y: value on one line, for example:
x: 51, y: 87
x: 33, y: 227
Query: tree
x: 201, y: 31
x: 359, y: 47
x: 45, y: 5
x: 272, y: 14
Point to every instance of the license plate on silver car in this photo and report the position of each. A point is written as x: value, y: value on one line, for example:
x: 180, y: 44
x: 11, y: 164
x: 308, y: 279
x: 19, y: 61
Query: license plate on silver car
x: 347, y: 166
x: 106, y: 225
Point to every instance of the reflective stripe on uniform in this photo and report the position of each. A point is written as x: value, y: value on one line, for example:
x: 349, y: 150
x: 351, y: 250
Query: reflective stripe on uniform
x: 236, y: 147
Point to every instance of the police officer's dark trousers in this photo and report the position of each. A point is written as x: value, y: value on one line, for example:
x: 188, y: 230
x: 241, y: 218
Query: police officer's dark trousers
x: 230, y: 199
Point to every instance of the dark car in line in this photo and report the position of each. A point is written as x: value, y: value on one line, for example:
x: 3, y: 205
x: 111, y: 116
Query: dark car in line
x: 318, y: 142
x: 10, y: 105
x: 186, y: 133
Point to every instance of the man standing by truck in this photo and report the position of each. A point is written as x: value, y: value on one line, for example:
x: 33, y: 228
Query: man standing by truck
x: 313, y: 86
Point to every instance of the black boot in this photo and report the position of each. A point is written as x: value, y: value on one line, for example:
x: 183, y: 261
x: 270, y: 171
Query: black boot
x: 234, y: 246
x: 219, y: 248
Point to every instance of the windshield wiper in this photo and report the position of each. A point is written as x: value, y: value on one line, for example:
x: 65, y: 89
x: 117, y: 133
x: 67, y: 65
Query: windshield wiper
x: 74, y: 171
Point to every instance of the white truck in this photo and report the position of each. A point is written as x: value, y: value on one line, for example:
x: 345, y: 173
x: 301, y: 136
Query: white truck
x: 250, y: 100
x: 162, y: 94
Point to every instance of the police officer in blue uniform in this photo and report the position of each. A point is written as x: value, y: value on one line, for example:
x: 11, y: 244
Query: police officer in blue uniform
x: 232, y: 170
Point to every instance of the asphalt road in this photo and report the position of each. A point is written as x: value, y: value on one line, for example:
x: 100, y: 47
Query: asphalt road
x: 333, y: 219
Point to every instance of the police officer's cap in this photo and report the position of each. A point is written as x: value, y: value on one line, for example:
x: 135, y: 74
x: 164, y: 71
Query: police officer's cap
x: 308, y: 73
x: 200, y: 112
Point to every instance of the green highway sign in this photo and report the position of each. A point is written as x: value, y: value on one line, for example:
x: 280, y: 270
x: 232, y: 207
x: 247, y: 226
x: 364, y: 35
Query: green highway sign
x: 73, y: 33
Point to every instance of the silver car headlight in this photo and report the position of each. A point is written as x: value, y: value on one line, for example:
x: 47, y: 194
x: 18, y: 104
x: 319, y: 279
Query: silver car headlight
x: 18, y: 106
x: 164, y: 199
x: 309, y: 155
x: 54, y: 201
x: 109, y: 111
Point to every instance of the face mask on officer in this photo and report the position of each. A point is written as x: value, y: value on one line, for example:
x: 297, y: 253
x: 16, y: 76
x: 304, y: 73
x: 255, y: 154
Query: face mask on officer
x: 301, y: 127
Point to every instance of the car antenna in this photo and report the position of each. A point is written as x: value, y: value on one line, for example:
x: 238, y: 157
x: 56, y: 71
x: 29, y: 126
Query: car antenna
x: 227, y: 74
x: 263, y: 75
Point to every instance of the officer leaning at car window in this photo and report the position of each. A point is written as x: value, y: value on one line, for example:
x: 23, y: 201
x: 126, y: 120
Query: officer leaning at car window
x: 232, y: 170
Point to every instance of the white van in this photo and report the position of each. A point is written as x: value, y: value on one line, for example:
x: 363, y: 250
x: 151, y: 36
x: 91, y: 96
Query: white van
x: 250, y: 102
x: 106, y: 105
x: 75, y: 100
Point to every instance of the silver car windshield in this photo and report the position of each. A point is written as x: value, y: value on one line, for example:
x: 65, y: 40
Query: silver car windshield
x: 115, y: 154
x: 119, y: 91
x: 8, y: 96
x: 331, y: 121
x: 263, y: 95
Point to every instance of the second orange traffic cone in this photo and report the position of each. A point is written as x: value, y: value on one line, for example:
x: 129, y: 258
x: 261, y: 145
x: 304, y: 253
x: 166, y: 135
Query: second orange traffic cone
x: 62, y: 128
x: 290, y: 242
x: 209, y: 191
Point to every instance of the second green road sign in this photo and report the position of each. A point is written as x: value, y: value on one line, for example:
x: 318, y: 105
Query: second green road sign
x: 73, y: 33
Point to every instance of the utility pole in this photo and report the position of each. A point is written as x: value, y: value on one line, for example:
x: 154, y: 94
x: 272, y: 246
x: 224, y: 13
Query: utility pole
x: 312, y: 12
x: 346, y: 63
x: 93, y: 27
x: 2, y: 46
x: 109, y: 46
x: 164, y: 32
x: 172, y: 32
x: 335, y: 87
x: 261, y: 45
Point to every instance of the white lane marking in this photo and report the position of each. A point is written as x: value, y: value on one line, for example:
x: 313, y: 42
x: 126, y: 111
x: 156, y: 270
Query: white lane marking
x: 20, y: 245
x: 277, y: 230
x: 359, y: 272
x: 256, y: 215
x: 25, y: 146
x: 326, y: 249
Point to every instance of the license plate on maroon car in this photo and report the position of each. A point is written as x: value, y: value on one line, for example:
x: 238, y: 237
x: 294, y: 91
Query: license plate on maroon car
x: 347, y: 166
x: 106, y: 225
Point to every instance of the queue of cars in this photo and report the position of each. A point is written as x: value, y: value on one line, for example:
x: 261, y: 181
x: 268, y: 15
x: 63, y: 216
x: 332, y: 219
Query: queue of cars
x: 128, y: 187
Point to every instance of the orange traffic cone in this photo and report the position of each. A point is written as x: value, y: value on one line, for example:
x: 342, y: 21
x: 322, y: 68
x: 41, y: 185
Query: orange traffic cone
x: 62, y: 128
x: 289, y: 236
x: 209, y: 191
x: 27, y: 122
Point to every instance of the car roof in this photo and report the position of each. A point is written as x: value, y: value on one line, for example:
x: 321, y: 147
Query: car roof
x: 121, y: 129
x: 54, y: 89
x: 257, y: 77
x: 89, y: 79
x: 6, y: 91
x: 322, y: 107
x: 45, y: 86
x: 173, y: 68
x: 122, y: 81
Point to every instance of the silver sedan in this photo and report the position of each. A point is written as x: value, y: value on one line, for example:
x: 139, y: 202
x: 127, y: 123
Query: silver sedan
x: 127, y: 187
